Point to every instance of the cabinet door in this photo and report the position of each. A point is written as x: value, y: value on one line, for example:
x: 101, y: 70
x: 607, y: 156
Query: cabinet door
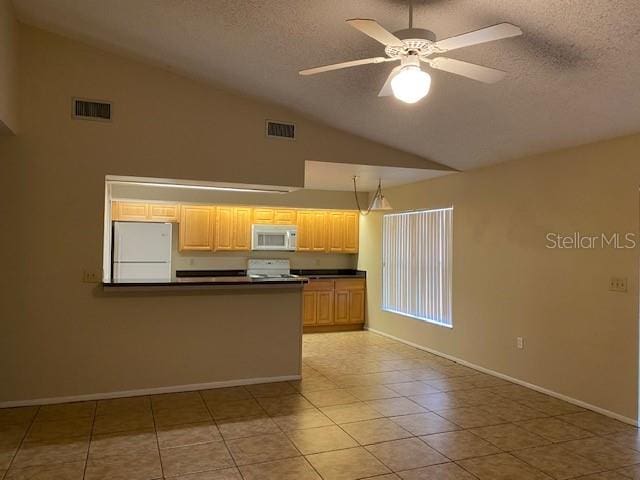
x: 132, y: 211
x: 163, y: 212
x: 356, y: 306
x: 341, y: 315
x: 351, y: 232
x: 319, y: 232
x: 242, y: 228
x: 309, y: 301
x: 263, y: 215
x: 284, y: 217
x: 336, y: 232
x: 196, y: 229
x: 224, y: 228
x: 305, y: 231
x: 324, y: 307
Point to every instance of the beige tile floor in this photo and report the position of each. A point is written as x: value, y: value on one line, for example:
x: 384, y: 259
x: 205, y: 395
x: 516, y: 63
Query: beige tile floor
x: 367, y: 407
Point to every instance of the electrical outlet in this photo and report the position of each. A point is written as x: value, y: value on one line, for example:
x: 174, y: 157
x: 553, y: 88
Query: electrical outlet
x: 520, y: 342
x: 618, y: 284
x: 90, y: 276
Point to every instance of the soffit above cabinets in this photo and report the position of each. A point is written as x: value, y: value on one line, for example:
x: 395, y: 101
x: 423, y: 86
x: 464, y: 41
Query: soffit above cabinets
x: 339, y: 176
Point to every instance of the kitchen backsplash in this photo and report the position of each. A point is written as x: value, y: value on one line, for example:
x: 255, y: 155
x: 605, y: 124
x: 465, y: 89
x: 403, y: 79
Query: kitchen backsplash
x: 238, y: 260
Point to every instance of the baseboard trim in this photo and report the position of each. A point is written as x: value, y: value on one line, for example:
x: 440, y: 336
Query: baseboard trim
x: 537, y: 388
x: 147, y: 391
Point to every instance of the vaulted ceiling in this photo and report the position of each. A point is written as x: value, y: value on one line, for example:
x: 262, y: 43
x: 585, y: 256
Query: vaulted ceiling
x: 573, y: 76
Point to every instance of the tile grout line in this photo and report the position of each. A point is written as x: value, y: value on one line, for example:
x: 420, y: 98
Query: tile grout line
x: 155, y: 430
x: 215, y: 422
x: 22, y: 441
x: 285, y: 433
x: 93, y: 423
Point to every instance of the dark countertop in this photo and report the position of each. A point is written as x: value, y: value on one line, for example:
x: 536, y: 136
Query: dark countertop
x: 306, y: 273
x: 330, y: 273
x: 212, y: 281
x: 234, y: 279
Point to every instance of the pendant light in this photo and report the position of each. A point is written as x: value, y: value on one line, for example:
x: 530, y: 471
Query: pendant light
x: 378, y: 203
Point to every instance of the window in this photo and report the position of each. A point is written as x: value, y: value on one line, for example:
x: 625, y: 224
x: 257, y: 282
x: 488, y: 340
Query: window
x: 416, y: 268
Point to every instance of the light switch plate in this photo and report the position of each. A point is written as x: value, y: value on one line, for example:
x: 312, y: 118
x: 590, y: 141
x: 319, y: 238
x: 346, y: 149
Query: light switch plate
x: 90, y: 276
x: 618, y: 284
x: 520, y: 342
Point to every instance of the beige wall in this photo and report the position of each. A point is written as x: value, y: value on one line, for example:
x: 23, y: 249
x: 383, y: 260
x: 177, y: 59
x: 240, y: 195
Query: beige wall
x: 581, y: 340
x: 8, y: 69
x: 57, y: 337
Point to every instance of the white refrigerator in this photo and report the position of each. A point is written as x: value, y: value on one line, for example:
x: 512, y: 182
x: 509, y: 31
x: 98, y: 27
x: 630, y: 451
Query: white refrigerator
x: 141, y: 252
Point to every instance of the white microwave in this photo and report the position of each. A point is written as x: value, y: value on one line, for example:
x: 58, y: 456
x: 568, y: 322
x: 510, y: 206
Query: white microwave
x: 274, y: 237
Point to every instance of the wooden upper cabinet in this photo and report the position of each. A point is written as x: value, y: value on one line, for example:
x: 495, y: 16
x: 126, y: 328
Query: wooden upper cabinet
x: 284, y: 216
x: 224, y: 228
x: 320, y: 223
x: 196, y: 228
x: 336, y: 232
x: 274, y: 216
x: 163, y: 212
x: 328, y: 231
x: 242, y: 228
x: 351, y: 232
x: 145, y: 212
x: 130, y: 211
x: 263, y: 215
x: 305, y: 231
x: 233, y: 228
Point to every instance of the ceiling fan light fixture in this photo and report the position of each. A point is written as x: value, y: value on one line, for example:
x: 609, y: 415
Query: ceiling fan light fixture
x: 411, y: 84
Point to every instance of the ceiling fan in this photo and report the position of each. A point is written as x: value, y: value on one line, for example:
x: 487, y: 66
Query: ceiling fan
x: 413, y: 46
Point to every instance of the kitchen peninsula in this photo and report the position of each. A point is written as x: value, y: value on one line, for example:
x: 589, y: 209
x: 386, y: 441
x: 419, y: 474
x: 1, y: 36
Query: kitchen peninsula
x: 241, y: 281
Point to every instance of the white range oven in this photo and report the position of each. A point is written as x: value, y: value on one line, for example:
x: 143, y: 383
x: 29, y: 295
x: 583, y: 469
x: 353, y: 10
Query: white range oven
x: 274, y: 237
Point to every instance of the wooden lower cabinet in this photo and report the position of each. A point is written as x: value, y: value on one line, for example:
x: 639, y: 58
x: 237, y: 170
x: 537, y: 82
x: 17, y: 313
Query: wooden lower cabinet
x: 341, y: 315
x: 309, y: 305
x: 324, y: 308
x: 338, y: 304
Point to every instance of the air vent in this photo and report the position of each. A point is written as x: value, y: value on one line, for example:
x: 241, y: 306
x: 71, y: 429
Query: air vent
x: 91, y: 110
x: 281, y: 130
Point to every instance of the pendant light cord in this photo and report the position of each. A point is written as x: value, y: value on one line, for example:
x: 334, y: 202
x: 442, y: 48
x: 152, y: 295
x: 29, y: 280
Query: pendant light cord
x: 355, y: 193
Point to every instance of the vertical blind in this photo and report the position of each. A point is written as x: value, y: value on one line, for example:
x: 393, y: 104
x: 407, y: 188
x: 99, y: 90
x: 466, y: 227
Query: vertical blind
x: 416, y: 256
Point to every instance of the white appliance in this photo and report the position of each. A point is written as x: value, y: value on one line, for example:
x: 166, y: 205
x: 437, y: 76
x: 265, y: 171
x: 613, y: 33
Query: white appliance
x: 269, y: 269
x: 274, y: 237
x: 141, y: 252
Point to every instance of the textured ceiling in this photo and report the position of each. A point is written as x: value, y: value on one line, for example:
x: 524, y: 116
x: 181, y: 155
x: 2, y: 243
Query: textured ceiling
x: 573, y: 76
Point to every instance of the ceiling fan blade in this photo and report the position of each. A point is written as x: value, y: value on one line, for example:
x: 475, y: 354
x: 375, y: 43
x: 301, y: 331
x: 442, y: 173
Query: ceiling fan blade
x: 337, y: 66
x: 484, y: 35
x: 386, y: 91
x: 466, y: 69
x: 375, y: 31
